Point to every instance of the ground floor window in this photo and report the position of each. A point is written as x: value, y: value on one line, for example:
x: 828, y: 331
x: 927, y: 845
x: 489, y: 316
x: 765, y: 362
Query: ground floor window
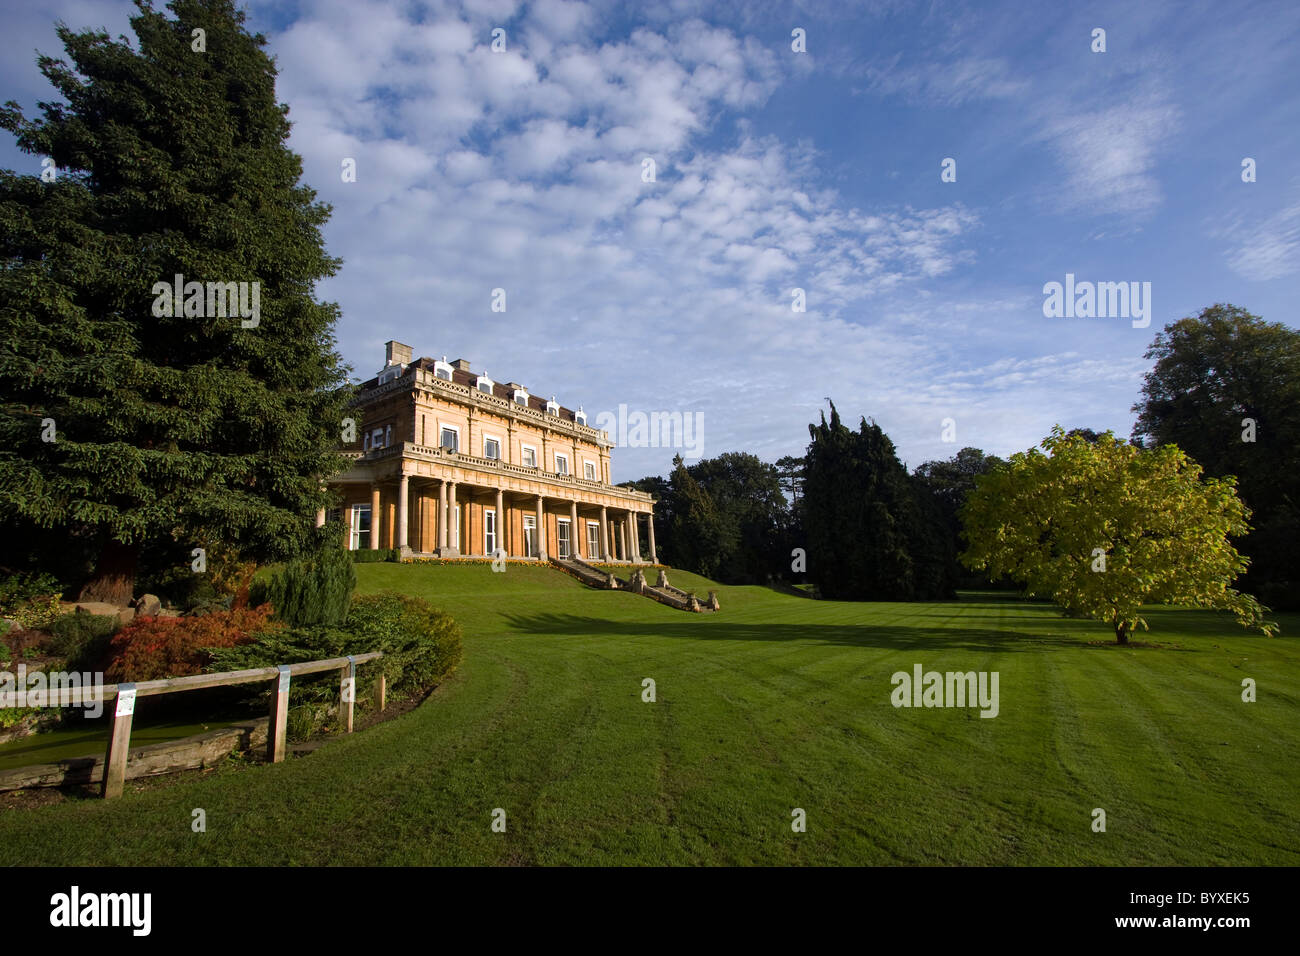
x: 530, y: 536
x: 593, y: 540
x: 360, y: 527
x: 564, y: 542
x: 489, y: 532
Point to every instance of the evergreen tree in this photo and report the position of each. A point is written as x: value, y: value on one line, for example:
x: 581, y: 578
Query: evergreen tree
x: 171, y: 160
x: 870, y: 536
x: 700, y: 538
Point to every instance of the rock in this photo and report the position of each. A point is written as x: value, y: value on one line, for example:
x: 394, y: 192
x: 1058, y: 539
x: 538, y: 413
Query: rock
x: 95, y: 607
x: 147, y: 605
x: 125, y: 615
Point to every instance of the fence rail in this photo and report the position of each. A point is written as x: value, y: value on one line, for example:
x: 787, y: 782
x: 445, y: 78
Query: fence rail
x: 124, y: 695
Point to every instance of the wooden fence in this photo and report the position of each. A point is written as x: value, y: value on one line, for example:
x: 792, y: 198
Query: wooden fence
x: 124, y: 695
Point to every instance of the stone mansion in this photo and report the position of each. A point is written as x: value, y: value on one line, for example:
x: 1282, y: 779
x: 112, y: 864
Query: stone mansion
x: 450, y: 463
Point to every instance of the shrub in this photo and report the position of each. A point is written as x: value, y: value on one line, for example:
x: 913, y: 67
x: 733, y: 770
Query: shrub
x: 310, y: 591
x: 157, y: 647
x: 30, y: 598
x: 371, y: 555
x: 83, y: 639
x: 421, y: 644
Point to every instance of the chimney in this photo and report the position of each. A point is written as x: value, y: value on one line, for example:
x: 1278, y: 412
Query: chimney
x: 395, y: 353
x: 461, y: 365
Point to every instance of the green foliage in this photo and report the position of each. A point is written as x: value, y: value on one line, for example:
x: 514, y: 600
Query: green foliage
x: 1049, y: 520
x: 421, y: 644
x: 872, y: 534
x: 1211, y: 373
x: 83, y: 639
x: 722, y: 517
x: 948, y: 484
x: 370, y: 555
x: 31, y: 599
x: 312, y: 590
x: 169, y: 162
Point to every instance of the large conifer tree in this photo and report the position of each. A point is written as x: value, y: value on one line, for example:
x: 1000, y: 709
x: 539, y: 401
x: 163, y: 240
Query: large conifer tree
x: 870, y: 535
x: 171, y: 158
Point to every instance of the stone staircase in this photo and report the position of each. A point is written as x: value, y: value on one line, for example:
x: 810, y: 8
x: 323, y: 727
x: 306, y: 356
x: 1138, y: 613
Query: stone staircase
x: 660, y: 591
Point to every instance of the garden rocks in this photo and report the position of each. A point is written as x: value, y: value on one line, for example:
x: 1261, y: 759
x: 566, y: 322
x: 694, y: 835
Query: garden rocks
x: 147, y: 605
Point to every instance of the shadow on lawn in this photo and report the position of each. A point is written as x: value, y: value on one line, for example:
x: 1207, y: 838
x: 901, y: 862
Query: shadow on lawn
x: 888, y: 636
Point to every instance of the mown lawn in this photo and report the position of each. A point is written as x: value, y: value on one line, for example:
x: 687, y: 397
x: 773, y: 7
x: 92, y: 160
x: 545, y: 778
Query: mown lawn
x: 777, y: 702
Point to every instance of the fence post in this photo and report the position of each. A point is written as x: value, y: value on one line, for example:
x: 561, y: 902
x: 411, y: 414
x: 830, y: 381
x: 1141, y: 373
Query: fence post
x: 119, y: 742
x: 348, y: 694
x: 277, y: 727
x: 381, y: 691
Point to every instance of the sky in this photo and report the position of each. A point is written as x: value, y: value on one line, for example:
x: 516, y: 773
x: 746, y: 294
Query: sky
x: 524, y: 169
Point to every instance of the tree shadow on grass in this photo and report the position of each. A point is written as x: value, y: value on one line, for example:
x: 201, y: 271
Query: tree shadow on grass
x: 884, y: 636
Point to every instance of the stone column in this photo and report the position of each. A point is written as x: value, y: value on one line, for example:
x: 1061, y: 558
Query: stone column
x: 573, y: 528
x: 636, y: 536
x: 650, y: 526
x: 541, y: 529
x: 622, y: 537
x: 501, y: 523
x: 403, y: 519
x: 604, y: 536
x: 453, y: 536
x: 442, y: 515
x: 374, y: 515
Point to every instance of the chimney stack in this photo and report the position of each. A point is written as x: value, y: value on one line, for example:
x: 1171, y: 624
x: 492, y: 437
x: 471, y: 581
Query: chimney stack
x: 395, y: 353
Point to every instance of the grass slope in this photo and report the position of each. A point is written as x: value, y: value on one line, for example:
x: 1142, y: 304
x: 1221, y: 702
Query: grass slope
x: 777, y: 702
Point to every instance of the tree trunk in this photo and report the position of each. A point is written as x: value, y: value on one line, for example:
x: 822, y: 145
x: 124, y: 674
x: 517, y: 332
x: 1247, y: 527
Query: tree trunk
x: 113, y: 580
x: 1121, y: 634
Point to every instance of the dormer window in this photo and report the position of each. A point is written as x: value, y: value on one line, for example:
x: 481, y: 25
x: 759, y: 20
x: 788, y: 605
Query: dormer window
x: 442, y: 369
x: 389, y: 374
x: 484, y: 384
x: 552, y: 407
x: 580, y: 416
x: 521, y: 397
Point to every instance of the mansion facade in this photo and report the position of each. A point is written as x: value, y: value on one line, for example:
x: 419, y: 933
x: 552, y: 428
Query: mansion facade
x: 450, y: 463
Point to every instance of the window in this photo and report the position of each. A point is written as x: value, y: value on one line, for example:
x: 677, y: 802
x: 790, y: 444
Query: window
x: 530, y: 456
x: 377, y: 438
x: 389, y: 374
x: 388, y: 435
x: 593, y: 540
x: 365, y: 442
x: 552, y: 407
x: 442, y: 370
x: 530, y: 536
x: 491, y: 449
x: 561, y: 464
x: 484, y: 384
x: 360, y: 527
x: 489, y: 532
x: 565, y: 540
x: 589, y: 470
x: 580, y: 416
x: 521, y: 397
x: 450, y: 439
x: 423, y: 433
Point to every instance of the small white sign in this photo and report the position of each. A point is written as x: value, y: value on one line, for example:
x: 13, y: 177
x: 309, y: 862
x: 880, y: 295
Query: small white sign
x: 284, y: 679
x: 349, y: 690
x: 125, y: 700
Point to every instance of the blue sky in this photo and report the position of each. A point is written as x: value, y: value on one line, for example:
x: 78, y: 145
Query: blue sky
x: 820, y: 170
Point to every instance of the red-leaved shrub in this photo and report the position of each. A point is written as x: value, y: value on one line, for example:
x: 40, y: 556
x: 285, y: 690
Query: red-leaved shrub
x: 156, y: 647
